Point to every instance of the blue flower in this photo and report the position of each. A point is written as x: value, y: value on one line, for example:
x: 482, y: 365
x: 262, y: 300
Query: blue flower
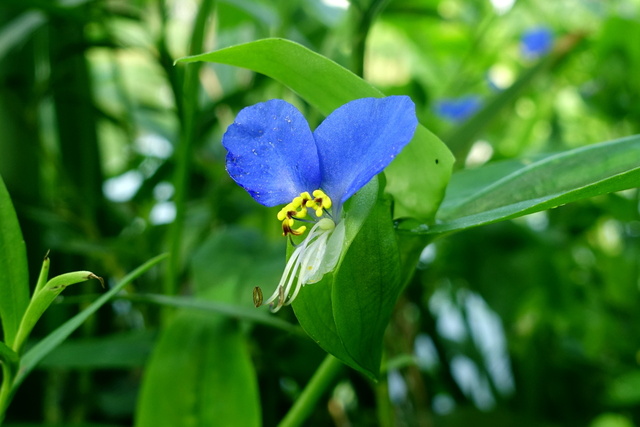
x: 536, y: 42
x: 274, y: 155
x: 458, y: 109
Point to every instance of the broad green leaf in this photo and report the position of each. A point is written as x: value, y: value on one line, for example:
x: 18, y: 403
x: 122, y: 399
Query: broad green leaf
x: 365, y: 290
x: 330, y: 322
x: 314, y: 311
x: 487, y: 195
x: 14, y: 276
x: 202, y: 356
x: 36, y: 353
x: 423, y: 168
x: 200, y: 373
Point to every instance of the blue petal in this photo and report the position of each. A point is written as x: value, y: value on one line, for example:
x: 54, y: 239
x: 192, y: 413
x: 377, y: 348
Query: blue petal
x: 536, y: 42
x: 271, y: 152
x: 359, y: 139
x: 458, y: 109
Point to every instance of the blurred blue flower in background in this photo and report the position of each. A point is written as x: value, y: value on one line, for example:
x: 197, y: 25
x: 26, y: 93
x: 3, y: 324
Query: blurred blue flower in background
x: 536, y: 42
x: 273, y: 154
x: 458, y: 109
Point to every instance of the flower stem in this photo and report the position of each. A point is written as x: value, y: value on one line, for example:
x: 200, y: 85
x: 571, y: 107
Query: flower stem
x: 321, y: 380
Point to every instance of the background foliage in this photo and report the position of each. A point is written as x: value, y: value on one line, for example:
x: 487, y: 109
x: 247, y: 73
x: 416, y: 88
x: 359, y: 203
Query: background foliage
x: 105, y: 143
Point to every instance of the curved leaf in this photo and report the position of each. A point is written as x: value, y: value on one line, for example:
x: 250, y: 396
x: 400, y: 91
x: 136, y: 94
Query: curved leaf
x: 365, y: 290
x: 313, y: 306
x: 423, y: 167
x: 36, y: 353
x: 486, y: 195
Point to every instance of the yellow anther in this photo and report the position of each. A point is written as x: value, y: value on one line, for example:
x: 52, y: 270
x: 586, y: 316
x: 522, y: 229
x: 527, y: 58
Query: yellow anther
x: 298, y: 209
x: 287, y: 228
x: 320, y: 202
x: 297, y: 202
x: 324, y: 199
x: 286, y: 212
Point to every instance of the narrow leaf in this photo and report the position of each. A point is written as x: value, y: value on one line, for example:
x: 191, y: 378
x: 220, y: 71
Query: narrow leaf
x: 14, y: 276
x: 232, y: 311
x: 51, y: 341
x: 44, y: 274
x: 485, y: 195
x: 124, y: 350
x: 43, y: 298
x: 423, y: 167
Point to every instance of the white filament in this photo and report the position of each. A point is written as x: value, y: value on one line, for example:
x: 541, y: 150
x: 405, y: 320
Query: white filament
x: 309, y: 262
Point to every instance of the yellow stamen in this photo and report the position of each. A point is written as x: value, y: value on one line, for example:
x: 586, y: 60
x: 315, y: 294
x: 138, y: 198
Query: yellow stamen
x: 320, y: 202
x: 299, y: 207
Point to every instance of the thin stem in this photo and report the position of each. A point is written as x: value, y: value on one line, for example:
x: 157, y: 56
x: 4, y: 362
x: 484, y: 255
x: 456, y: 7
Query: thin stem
x: 189, y: 103
x: 5, y: 390
x: 319, y: 383
x: 363, y: 20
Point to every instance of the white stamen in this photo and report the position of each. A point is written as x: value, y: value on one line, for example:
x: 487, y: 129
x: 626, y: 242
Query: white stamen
x: 308, y: 262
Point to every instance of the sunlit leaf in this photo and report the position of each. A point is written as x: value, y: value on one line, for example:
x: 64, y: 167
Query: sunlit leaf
x: 486, y: 195
x: 423, y: 167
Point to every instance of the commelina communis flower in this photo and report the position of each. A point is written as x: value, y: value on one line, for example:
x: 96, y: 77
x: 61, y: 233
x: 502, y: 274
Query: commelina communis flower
x: 274, y: 155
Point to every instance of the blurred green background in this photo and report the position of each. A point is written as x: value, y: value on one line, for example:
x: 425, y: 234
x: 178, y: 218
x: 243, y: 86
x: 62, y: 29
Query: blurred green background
x: 533, y: 322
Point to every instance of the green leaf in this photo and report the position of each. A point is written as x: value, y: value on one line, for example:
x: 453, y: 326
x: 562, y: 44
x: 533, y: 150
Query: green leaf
x: 365, y: 290
x: 36, y: 353
x: 229, y: 310
x: 347, y: 312
x: 423, y: 167
x: 14, y: 276
x: 7, y: 355
x: 43, y: 298
x: 200, y: 373
x: 115, y: 351
x: 314, y: 311
x: 202, y: 354
x: 313, y: 307
x: 508, y: 190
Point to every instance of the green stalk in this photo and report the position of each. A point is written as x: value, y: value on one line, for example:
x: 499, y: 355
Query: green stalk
x: 363, y: 17
x: 5, y: 390
x: 188, y: 106
x: 319, y: 383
